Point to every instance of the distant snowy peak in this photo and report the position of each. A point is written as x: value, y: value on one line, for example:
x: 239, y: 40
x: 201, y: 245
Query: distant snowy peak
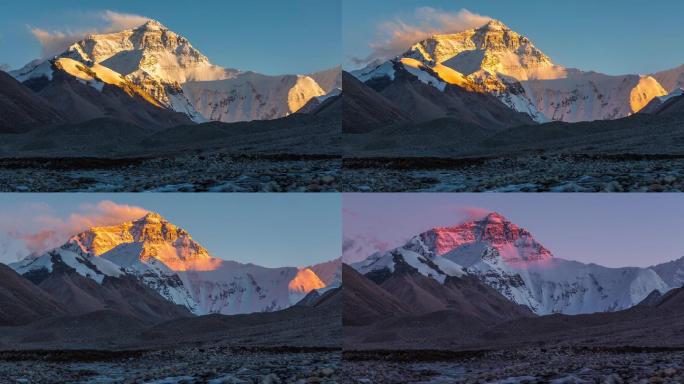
x: 511, y: 241
x: 508, y: 258
x: 154, y: 238
x: 497, y: 60
x: 71, y: 257
x: 165, y: 67
x: 251, y: 96
x: 493, y: 47
x: 383, y: 262
x: 148, y: 50
x: 165, y: 258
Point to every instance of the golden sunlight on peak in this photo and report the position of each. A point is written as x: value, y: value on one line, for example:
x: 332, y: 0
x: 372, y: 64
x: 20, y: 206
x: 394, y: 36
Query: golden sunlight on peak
x: 305, y: 281
x: 646, y: 90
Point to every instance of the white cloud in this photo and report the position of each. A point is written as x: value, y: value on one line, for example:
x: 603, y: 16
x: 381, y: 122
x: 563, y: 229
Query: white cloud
x: 397, y: 35
x: 54, y: 42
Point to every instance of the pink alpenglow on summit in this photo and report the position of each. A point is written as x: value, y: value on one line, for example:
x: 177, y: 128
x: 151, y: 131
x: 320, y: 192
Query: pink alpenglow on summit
x: 513, y: 243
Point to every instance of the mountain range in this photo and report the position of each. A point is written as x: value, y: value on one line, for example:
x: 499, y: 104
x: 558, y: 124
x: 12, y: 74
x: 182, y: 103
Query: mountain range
x: 160, y: 68
x: 495, y: 60
x: 489, y: 92
x: 510, y: 260
x: 488, y: 284
x: 101, y: 265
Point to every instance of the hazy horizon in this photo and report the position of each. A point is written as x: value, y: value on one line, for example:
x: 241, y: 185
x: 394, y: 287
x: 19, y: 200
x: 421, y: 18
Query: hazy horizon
x: 271, y: 230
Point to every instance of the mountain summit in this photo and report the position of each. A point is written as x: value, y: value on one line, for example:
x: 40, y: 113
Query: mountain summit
x: 497, y: 60
x: 178, y: 77
x: 509, y: 259
x: 165, y: 258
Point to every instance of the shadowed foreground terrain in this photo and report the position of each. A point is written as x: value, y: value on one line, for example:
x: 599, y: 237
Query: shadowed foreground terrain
x: 390, y: 339
x: 388, y: 151
x: 300, y: 344
x: 300, y: 152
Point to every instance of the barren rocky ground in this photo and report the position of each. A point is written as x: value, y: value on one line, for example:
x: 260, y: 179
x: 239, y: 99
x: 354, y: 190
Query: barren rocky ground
x: 213, y: 364
x: 215, y: 172
x: 529, y: 365
x: 529, y: 173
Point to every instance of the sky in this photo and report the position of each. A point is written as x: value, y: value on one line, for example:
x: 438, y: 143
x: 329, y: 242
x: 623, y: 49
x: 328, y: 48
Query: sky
x: 610, y: 36
x: 614, y: 230
x: 270, y: 37
x: 272, y: 230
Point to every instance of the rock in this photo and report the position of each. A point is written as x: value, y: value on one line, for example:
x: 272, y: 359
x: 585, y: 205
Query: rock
x: 270, y: 379
x: 314, y: 188
x: 656, y: 188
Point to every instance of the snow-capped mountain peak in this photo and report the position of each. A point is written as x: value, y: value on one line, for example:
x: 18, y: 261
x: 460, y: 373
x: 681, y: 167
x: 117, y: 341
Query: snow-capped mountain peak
x: 172, y: 74
x: 509, y: 259
x: 513, y: 243
x: 497, y: 60
x: 167, y: 259
x: 150, y: 50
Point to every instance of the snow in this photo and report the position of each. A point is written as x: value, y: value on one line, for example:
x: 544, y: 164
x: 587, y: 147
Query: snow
x: 84, y: 264
x: 675, y: 93
x: 386, y: 260
x: 166, y: 258
x: 163, y: 64
x: 33, y: 70
x: 509, y: 259
x: 417, y: 70
x: 333, y: 93
x: 251, y: 96
x: 385, y: 69
x: 499, y: 61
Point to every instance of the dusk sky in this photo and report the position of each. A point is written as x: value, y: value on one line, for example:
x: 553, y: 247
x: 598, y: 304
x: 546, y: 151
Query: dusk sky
x: 613, y: 230
x: 271, y: 37
x: 266, y: 229
x: 609, y: 36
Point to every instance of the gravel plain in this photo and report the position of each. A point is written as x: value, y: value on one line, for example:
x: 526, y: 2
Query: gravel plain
x: 529, y: 173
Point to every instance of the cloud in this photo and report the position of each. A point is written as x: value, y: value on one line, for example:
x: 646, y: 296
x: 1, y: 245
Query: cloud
x: 474, y: 213
x: 55, y: 42
x: 396, y: 36
x: 359, y: 247
x: 40, y: 229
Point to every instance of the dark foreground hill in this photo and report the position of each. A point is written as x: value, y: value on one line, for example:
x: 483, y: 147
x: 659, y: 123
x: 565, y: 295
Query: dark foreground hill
x: 21, y: 302
x: 406, y: 310
x: 21, y: 109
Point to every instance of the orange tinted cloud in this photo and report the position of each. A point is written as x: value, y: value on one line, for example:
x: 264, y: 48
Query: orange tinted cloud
x: 40, y: 229
x: 55, y: 42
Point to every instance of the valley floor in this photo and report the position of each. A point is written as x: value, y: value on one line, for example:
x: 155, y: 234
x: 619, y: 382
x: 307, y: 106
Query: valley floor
x: 207, y: 364
x: 529, y: 365
x: 529, y: 173
x: 215, y: 172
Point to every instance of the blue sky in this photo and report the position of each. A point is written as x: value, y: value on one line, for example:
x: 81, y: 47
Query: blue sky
x: 265, y: 229
x: 608, y: 229
x: 271, y: 37
x: 609, y: 36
